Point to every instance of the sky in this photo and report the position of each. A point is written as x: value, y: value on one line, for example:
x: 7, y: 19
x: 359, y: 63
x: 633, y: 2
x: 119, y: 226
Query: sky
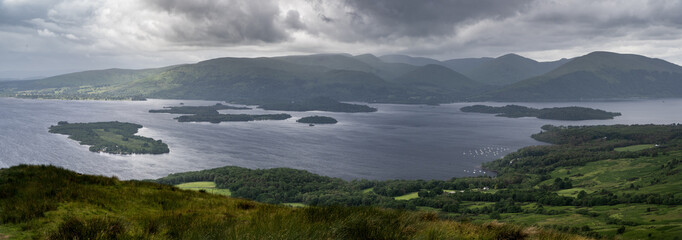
x: 49, y: 37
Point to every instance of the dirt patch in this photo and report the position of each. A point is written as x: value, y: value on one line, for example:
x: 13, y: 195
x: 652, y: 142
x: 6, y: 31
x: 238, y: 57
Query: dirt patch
x: 4, y: 236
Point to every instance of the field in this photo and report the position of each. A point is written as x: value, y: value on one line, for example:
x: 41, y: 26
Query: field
x: 208, y: 187
x: 634, y: 148
x: 408, y: 196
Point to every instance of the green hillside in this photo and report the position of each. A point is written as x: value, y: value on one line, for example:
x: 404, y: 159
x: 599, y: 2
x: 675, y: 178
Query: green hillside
x: 598, y: 75
x: 46, y: 202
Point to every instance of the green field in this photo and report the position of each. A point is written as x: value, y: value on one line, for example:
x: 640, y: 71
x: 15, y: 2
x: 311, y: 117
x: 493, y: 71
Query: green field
x: 209, y: 187
x: 298, y: 205
x: 634, y: 148
x: 408, y: 196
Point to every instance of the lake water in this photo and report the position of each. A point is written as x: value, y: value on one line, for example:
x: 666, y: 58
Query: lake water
x: 397, y: 142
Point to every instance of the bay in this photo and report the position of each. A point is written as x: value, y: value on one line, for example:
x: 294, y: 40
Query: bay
x: 397, y: 142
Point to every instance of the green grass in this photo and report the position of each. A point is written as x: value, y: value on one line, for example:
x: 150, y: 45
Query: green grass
x: 209, y: 187
x: 615, y: 175
x: 634, y: 148
x: 368, y: 190
x: 136, y: 145
x: 573, y: 192
x: 408, y: 196
x: 46, y: 202
x: 621, y: 174
x: 298, y: 205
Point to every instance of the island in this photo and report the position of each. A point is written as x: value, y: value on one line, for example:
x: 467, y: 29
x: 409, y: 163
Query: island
x: 197, y: 109
x: 317, y: 120
x: 110, y: 137
x: 556, y: 113
x: 217, y: 118
x: 317, y: 104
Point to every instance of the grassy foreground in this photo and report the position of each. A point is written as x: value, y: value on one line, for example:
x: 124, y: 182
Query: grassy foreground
x: 46, y: 202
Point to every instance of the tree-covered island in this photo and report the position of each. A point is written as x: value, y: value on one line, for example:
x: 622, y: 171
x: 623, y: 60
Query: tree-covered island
x: 317, y: 104
x: 210, y: 114
x: 197, y: 109
x: 217, y: 118
x: 110, y: 137
x: 317, y: 120
x: 556, y: 113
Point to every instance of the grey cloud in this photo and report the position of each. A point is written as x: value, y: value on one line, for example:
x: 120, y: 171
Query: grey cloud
x: 293, y: 20
x: 17, y: 14
x: 408, y: 18
x: 222, y: 22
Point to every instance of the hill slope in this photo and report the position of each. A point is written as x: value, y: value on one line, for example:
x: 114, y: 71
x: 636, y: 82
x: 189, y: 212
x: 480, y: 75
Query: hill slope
x: 509, y: 69
x: 46, y: 202
x: 599, y: 75
x: 439, y: 79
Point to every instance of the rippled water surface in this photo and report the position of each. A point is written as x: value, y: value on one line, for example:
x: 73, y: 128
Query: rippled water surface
x: 398, y: 141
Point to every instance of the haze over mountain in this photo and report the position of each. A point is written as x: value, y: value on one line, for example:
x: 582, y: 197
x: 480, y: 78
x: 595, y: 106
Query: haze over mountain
x: 367, y: 78
x: 439, y: 79
x: 509, y: 69
x: 599, y: 75
x: 504, y: 70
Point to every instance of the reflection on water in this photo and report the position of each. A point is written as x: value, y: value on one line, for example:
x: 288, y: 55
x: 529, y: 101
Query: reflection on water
x: 398, y: 141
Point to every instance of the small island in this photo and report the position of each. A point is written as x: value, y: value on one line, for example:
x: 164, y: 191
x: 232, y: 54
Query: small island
x: 317, y: 104
x: 110, y: 137
x: 317, y: 120
x: 217, y: 118
x: 197, y: 109
x: 557, y: 113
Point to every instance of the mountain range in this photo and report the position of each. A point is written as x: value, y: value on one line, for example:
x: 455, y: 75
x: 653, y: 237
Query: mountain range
x: 368, y: 78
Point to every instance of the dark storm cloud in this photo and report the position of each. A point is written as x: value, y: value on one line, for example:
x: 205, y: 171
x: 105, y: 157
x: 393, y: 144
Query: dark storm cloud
x: 222, y: 22
x: 408, y: 18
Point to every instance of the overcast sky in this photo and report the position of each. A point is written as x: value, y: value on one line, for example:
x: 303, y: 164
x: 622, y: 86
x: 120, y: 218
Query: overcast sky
x: 47, y: 37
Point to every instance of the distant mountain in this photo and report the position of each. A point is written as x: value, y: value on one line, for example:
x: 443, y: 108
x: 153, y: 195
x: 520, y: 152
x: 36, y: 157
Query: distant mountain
x: 93, y: 78
x: 463, y: 65
x: 598, y: 75
x: 439, y: 79
x: 509, y: 69
x: 367, y: 78
x: 245, y: 80
x: 416, y: 61
x: 388, y: 70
